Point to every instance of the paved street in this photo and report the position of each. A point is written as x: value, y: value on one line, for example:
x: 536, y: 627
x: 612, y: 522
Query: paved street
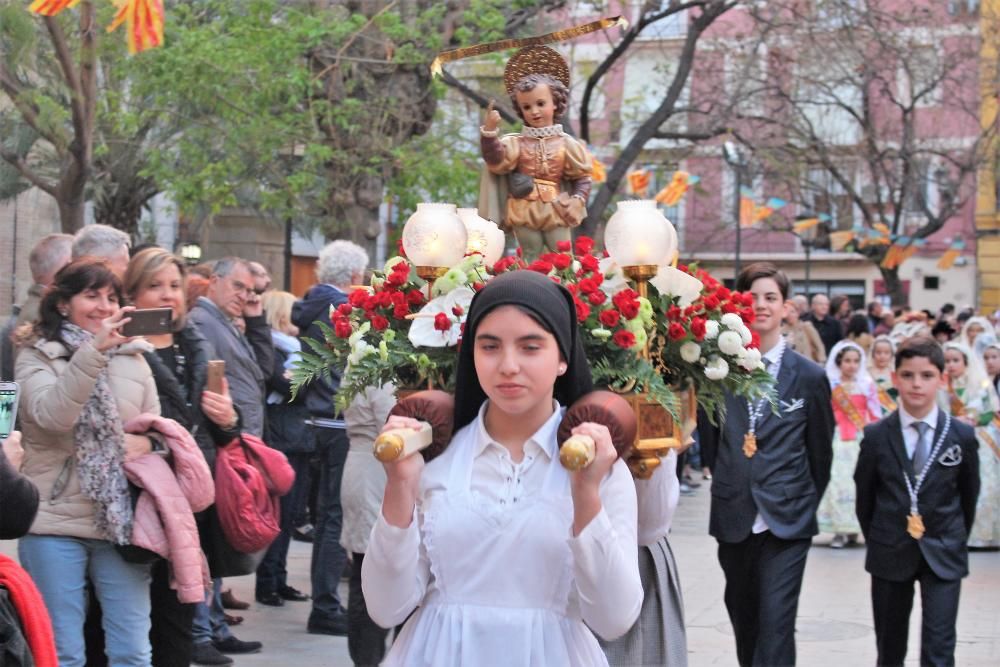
x: 834, y: 626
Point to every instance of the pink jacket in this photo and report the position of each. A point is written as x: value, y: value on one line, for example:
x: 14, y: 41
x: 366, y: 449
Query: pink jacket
x: 164, y: 514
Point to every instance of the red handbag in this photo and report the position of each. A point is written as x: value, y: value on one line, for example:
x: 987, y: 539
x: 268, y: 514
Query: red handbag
x: 250, y: 477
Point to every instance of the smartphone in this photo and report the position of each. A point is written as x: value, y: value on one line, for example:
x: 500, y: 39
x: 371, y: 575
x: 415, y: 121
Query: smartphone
x: 9, y: 393
x: 216, y: 371
x: 149, y: 322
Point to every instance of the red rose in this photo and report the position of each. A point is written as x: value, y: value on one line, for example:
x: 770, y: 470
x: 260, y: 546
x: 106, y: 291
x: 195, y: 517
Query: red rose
x: 588, y: 285
x: 589, y: 263
x: 582, y: 310
x: 698, y: 327
x: 401, y: 311
x: 395, y: 279
x: 584, y: 245
x: 676, y: 331
x: 573, y: 289
x: 540, y: 265
x: 342, y: 328
x: 624, y: 339
x: 562, y: 262
x: 729, y: 307
x: 357, y: 298
x: 597, y: 297
x: 384, y: 299
x: 711, y: 302
x: 674, y: 313
x: 398, y: 298
x: 476, y: 286
x: 401, y: 267
x: 754, y: 339
x: 457, y: 310
x: 371, y: 303
x: 415, y: 297
x: 345, y: 309
x: 723, y: 293
x: 629, y: 309
x: 442, y: 322
x: 683, y: 267
x: 399, y: 247
x: 609, y: 318
x: 380, y: 323
x: 563, y: 246
x: 748, y: 316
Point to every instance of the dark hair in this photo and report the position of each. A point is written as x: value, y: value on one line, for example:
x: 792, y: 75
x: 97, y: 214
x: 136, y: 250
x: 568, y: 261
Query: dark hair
x: 76, y: 277
x: 920, y: 346
x: 759, y: 270
x: 560, y: 94
x: 943, y: 327
x: 836, y: 301
x: 872, y: 305
x: 844, y: 350
x: 857, y: 325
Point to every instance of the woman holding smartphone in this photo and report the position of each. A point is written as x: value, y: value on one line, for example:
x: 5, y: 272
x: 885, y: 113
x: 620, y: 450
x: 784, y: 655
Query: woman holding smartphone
x: 508, y: 558
x: 179, y: 361
x: 81, y: 380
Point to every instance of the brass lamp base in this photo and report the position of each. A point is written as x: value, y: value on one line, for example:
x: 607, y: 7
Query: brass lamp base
x: 658, y: 432
x: 431, y: 273
x: 640, y: 272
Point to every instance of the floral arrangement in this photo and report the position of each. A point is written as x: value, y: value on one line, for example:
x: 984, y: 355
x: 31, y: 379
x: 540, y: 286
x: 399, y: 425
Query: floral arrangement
x: 697, y: 330
x: 704, y: 341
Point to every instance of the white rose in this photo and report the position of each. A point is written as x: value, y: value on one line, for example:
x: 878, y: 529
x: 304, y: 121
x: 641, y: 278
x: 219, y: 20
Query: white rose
x: 732, y: 321
x: 690, y: 352
x: 717, y: 369
x: 745, y: 334
x: 360, y: 350
x: 730, y: 343
x: 711, y: 329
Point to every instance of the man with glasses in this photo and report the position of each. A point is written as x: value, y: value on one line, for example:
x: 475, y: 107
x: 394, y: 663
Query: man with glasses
x: 249, y: 359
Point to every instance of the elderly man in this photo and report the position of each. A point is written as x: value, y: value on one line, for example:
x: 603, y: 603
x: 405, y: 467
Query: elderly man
x: 49, y: 255
x: 104, y: 242
x: 826, y: 325
x: 340, y: 265
x: 249, y: 359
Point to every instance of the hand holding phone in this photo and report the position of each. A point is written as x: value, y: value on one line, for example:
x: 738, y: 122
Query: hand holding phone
x: 148, y: 322
x: 9, y: 394
x: 216, y: 372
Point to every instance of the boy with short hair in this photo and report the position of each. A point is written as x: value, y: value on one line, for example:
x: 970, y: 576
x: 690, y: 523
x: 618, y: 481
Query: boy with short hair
x: 917, y: 479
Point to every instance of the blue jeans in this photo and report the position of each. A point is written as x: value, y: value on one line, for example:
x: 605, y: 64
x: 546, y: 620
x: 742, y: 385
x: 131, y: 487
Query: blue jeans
x: 328, y: 557
x: 60, y: 567
x: 209, y: 617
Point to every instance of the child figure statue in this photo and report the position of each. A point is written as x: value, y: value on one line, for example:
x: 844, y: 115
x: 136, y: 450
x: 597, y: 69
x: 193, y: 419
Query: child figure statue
x: 536, y: 182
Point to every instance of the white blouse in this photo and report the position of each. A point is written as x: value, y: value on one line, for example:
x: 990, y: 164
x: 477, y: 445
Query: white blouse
x: 604, y: 589
x: 658, y: 497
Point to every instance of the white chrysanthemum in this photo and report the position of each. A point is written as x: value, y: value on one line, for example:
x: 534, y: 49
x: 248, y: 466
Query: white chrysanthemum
x: 745, y: 334
x: 717, y: 369
x: 690, y: 352
x: 732, y: 321
x: 730, y: 343
x: 711, y: 329
x: 750, y: 359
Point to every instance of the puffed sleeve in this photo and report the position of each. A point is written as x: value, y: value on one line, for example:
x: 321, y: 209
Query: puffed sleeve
x: 54, y: 400
x: 395, y: 572
x: 578, y: 167
x: 657, y: 499
x: 501, y: 153
x: 606, y: 559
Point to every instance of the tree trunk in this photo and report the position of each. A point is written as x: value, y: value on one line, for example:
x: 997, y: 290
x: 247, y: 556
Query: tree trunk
x: 894, y: 286
x: 71, y: 209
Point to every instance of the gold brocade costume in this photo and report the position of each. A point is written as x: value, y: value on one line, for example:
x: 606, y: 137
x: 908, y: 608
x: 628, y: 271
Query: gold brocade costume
x: 558, y: 165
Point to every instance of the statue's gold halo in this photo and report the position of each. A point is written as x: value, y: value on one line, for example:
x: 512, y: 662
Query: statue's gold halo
x: 535, y: 60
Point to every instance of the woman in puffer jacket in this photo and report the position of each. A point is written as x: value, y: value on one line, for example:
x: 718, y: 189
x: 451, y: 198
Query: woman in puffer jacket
x: 179, y: 359
x: 81, y: 380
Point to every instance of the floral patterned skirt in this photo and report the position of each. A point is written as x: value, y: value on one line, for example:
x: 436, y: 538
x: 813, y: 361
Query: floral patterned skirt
x: 836, y: 513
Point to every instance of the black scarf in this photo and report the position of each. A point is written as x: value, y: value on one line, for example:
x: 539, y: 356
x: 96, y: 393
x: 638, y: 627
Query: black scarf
x: 553, y: 307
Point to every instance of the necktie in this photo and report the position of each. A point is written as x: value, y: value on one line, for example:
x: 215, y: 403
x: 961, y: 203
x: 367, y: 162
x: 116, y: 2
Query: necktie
x: 922, y: 450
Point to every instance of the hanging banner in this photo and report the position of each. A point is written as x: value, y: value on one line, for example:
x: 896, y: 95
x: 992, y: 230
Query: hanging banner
x: 747, y: 206
x: 951, y: 254
x: 676, y: 189
x: 598, y: 172
x: 638, y: 182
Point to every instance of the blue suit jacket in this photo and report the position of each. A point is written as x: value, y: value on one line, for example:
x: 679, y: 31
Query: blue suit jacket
x: 786, y: 478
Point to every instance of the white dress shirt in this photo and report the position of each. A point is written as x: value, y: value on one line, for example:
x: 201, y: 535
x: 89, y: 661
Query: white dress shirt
x: 658, y: 497
x: 773, y: 359
x: 910, y: 435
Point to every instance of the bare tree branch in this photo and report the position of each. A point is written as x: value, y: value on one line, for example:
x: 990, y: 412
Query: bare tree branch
x: 482, y: 100
x: 22, y: 167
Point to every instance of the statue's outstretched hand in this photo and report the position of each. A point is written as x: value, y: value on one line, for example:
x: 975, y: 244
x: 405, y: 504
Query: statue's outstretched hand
x: 492, y: 120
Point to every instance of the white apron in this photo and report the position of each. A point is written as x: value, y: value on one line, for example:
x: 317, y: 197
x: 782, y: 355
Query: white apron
x: 502, y: 576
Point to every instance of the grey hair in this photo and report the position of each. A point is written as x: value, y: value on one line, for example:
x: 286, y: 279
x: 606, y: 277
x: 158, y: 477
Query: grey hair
x: 99, y: 241
x: 223, y: 267
x: 339, y: 262
x: 49, y: 255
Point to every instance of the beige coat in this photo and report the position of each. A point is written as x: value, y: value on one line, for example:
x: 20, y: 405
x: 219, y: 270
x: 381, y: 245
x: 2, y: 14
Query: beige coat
x: 804, y: 339
x: 54, y: 389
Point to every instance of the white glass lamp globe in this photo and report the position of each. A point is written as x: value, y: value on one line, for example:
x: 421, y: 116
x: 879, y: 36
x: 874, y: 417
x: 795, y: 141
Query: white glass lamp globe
x: 638, y: 234
x: 435, y: 236
x: 484, y: 236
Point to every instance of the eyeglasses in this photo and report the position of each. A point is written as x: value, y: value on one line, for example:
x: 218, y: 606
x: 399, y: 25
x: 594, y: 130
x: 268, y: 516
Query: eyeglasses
x: 239, y: 286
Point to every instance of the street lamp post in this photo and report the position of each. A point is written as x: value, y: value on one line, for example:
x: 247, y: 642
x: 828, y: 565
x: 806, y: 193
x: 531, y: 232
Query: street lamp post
x: 807, y: 237
x: 737, y: 160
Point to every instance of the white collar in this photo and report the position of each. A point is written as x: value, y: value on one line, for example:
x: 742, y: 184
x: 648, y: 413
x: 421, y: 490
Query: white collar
x: 544, y: 439
x: 542, y: 132
x: 906, y: 419
x: 775, y: 353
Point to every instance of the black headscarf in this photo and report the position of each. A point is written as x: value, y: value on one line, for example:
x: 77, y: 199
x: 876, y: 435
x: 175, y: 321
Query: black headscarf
x: 552, y: 306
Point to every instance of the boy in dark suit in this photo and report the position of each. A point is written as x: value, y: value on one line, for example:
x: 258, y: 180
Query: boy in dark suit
x: 769, y: 472
x: 917, y: 479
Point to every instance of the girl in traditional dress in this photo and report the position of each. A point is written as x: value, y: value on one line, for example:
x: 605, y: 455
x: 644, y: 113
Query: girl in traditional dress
x: 502, y: 556
x: 991, y: 359
x: 971, y: 397
x: 855, y: 404
x: 974, y: 327
x: 880, y: 368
